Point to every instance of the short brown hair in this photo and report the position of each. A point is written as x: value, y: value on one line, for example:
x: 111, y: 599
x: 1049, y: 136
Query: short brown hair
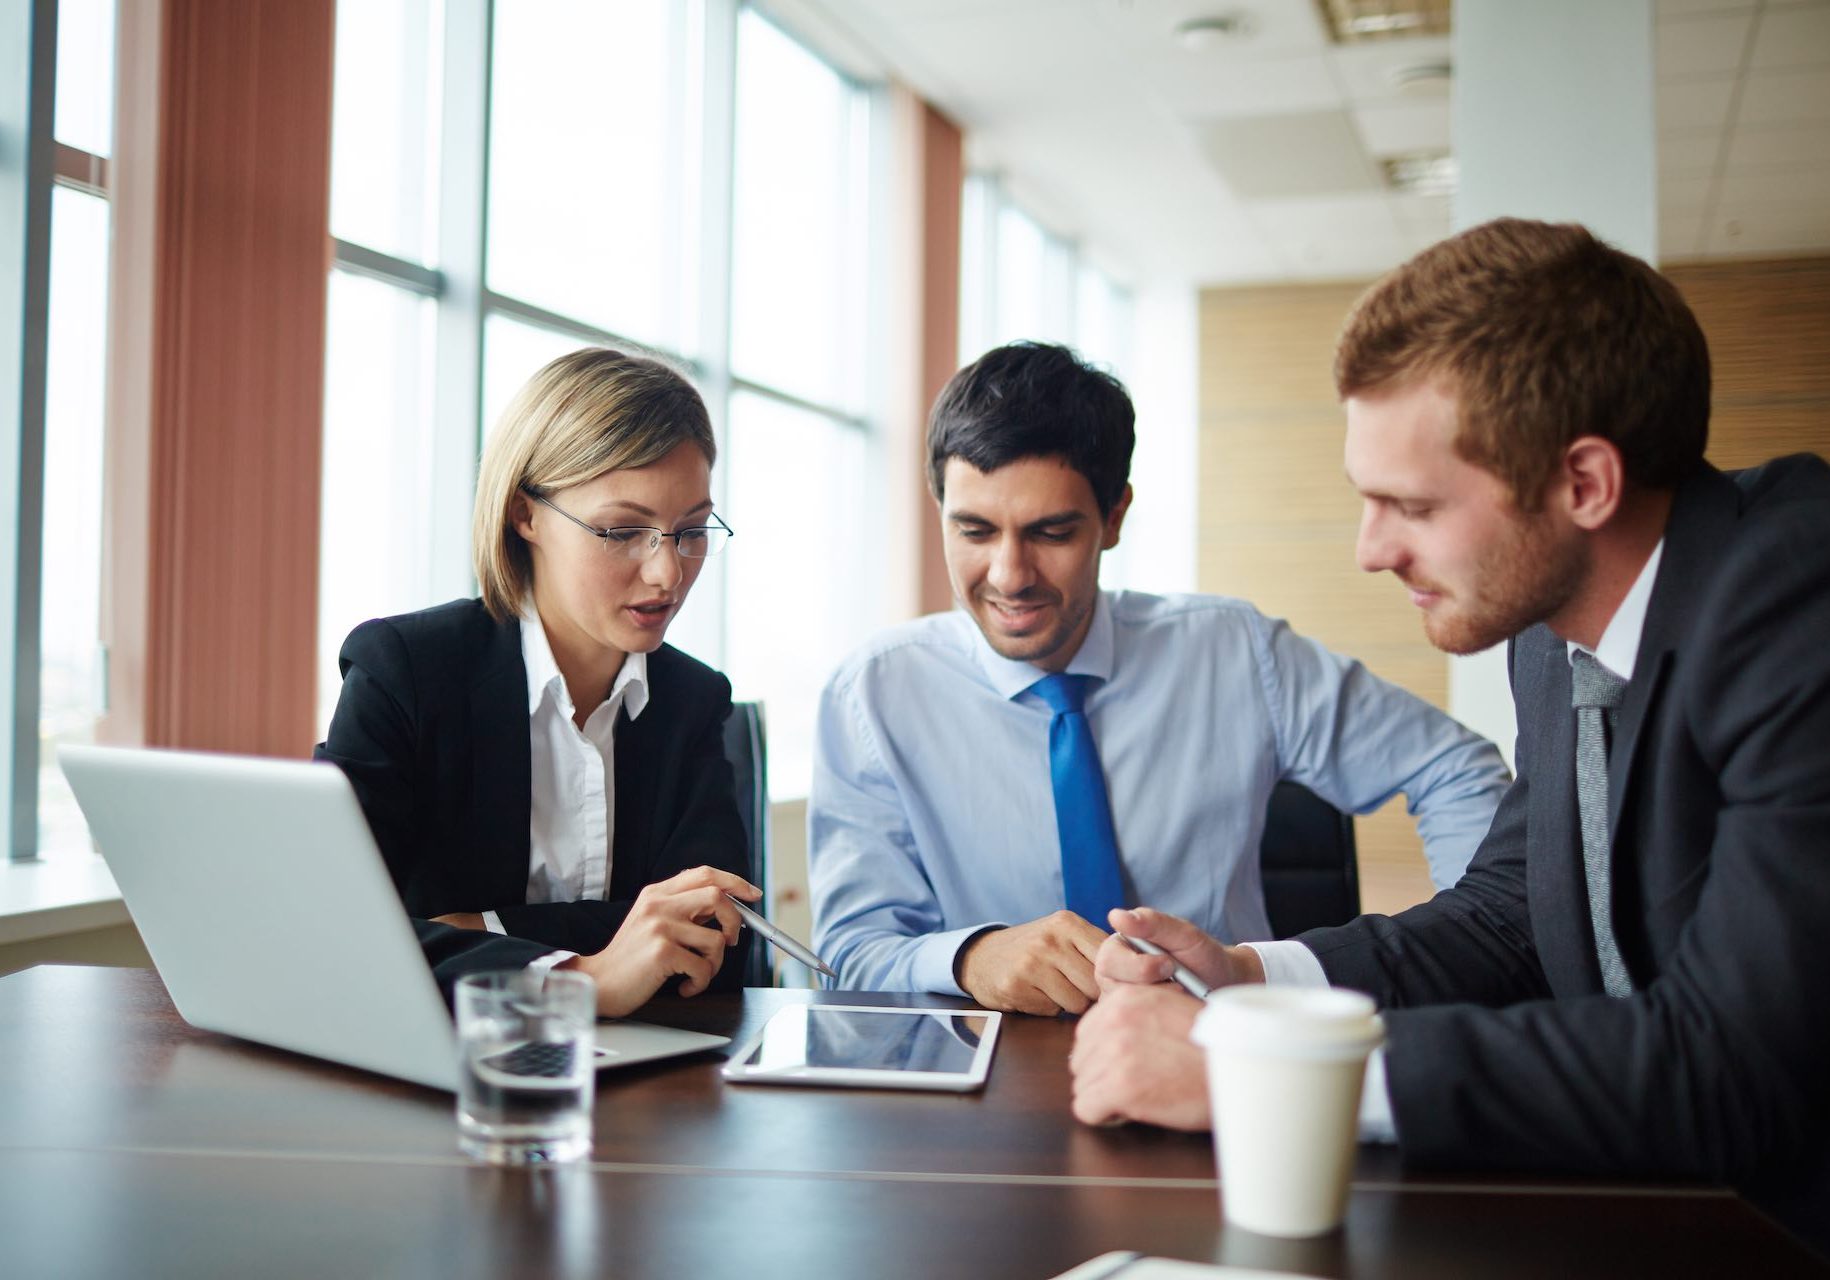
x: 1543, y: 333
x: 586, y: 413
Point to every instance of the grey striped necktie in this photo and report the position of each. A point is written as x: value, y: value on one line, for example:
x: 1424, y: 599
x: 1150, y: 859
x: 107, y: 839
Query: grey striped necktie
x: 1595, y: 692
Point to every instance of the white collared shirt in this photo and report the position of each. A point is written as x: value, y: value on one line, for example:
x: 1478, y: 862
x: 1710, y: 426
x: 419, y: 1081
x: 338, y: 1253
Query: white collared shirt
x: 1618, y: 648
x: 1291, y: 963
x: 572, y: 814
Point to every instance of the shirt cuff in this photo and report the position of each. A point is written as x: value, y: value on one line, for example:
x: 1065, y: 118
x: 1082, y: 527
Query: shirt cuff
x: 935, y: 954
x: 1289, y: 964
x: 545, y: 964
x: 1377, y: 1124
x: 493, y: 922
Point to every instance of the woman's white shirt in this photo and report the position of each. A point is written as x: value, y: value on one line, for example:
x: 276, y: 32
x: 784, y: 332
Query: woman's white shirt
x: 572, y: 817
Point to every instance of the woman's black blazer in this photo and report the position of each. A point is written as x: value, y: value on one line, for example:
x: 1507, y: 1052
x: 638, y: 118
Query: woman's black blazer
x: 432, y: 729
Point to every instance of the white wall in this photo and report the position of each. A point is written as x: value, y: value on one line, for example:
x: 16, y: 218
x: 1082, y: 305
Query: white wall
x: 1552, y: 119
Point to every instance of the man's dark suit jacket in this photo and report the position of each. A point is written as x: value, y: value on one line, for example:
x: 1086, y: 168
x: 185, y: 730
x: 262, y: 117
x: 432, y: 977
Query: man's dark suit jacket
x: 432, y: 729
x: 1502, y: 1050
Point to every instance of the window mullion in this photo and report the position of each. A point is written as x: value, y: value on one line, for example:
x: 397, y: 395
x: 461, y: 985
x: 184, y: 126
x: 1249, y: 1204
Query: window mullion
x: 28, y: 62
x: 457, y: 391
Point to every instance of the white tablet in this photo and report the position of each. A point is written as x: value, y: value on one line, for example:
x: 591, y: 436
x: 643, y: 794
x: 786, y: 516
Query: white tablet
x: 874, y: 1047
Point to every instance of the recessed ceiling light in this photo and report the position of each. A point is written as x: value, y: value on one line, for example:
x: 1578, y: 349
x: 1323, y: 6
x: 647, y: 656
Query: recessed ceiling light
x: 1198, y: 34
x: 1422, y: 173
x: 1422, y: 79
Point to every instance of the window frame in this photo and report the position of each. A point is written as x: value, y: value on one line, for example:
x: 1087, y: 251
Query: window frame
x: 465, y: 302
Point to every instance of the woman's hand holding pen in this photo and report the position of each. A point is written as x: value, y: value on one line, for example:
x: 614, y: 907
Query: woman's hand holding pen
x: 679, y: 926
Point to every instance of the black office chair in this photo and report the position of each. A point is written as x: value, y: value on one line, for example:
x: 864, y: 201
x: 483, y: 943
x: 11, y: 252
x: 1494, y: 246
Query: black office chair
x: 1308, y: 861
x: 746, y: 748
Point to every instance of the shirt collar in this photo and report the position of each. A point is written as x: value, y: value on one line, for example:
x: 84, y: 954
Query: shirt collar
x: 543, y: 672
x: 1619, y: 645
x: 1009, y: 677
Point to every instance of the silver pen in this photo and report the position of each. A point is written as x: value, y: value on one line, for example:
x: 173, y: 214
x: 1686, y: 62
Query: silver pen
x: 1184, y: 978
x: 800, y: 951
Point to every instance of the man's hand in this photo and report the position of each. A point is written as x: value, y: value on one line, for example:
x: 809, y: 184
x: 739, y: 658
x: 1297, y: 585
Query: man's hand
x: 678, y: 926
x: 462, y: 920
x: 1214, y: 962
x: 1045, y: 966
x: 1132, y: 1060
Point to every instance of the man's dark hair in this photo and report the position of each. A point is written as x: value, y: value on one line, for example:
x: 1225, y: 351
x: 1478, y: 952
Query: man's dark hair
x: 1035, y: 400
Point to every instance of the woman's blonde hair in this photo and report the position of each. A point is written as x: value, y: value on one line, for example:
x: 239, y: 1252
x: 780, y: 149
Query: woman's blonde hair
x: 586, y: 413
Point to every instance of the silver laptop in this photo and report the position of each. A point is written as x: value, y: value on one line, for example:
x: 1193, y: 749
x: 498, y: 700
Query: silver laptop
x: 267, y: 909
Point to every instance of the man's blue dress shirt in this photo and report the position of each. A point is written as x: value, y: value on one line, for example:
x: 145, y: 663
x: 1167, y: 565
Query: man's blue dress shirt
x: 931, y: 814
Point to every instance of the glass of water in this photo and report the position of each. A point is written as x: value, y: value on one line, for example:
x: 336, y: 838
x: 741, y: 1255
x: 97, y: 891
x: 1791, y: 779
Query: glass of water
x: 526, y: 1071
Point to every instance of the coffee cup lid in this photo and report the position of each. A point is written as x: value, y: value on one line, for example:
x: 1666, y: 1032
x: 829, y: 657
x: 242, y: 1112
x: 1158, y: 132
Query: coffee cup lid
x: 1302, y: 1022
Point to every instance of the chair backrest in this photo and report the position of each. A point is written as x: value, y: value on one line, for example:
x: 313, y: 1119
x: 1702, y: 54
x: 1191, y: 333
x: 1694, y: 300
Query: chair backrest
x: 746, y: 747
x: 1308, y: 861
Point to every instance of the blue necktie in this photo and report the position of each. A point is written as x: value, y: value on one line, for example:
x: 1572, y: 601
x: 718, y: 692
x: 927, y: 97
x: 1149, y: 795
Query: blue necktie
x: 1083, y: 816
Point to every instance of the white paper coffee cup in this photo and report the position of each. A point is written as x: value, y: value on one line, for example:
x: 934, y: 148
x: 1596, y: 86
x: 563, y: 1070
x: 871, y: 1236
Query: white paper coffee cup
x: 1284, y: 1070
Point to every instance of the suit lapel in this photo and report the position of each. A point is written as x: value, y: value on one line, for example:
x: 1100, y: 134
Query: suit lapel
x: 1702, y: 515
x: 1555, y: 878
x: 501, y: 772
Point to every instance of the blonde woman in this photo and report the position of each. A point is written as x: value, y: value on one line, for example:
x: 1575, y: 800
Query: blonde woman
x: 536, y: 762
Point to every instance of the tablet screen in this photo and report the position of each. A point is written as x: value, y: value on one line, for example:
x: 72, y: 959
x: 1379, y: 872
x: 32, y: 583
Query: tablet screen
x: 867, y: 1040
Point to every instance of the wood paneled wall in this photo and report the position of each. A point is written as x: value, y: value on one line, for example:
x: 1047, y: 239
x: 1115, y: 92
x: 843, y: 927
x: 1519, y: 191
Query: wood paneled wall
x: 1768, y: 325
x: 1278, y: 516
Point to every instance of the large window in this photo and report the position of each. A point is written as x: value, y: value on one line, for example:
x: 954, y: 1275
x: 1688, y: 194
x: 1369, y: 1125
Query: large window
x: 1020, y: 281
x: 71, y: 663
x: 678, y: 175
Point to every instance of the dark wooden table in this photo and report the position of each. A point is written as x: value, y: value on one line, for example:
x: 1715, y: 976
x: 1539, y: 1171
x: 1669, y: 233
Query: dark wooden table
x: 131, y: 1144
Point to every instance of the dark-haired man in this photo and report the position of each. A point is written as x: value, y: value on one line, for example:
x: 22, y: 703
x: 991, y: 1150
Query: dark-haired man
x: 989, y: 782
x: 1629, y: 979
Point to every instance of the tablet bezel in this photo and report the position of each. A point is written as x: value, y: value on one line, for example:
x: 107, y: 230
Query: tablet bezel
x: 973, y: 1077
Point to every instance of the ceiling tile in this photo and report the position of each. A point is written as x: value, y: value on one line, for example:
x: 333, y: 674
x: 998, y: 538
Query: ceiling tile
x: 1397, y: 129
x: 1422, y: 210
x: 1688, y: 153
x: 1693, y: 106
x: 1668, y: 9
x: 1785, y: 97
x: 1367, y: 70
x: 1793, y: 38
x: 1195, y: 87
x: 1707, y: 45
x: 1277, y: 28
x: 1276, y: 157
x: 1789, y: 185
x: 1687, y: 190
x: 1779, y: 146
x: 1747, y: 229
x: 1680, y: 233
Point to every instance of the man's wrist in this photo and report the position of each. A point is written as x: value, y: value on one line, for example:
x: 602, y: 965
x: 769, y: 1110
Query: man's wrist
x: 1247, y: 965
x: 959, y: 957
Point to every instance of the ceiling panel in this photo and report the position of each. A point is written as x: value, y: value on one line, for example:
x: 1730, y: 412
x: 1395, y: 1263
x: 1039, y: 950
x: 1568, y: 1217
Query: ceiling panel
x: 1273, y: 28
x: 1786, y: 97
x: 1708, y: 45
x: 1750, y: 229
x: 1688, y: 153
x: 1199, y: 88
x: 1367, y: 70
x: 1680, y: 233
x: 1182, y: 164
x: 1780, y: 146
x: 1277, y: 157
x: 1692, y: 106
x: 1403, y: 128
x: 1793, y: 37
